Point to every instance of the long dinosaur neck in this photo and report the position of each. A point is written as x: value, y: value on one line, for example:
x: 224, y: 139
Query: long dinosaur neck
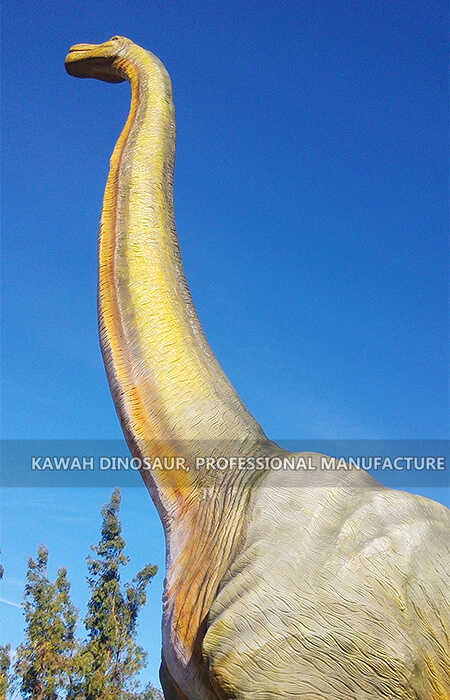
x: 170, y: 393
x: 172, y: 398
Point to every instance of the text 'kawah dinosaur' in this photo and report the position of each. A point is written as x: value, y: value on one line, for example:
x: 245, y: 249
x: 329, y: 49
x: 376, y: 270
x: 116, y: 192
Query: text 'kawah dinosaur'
x: 312, y: 584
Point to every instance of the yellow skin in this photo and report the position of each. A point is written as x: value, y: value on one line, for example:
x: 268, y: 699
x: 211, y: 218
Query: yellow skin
x: 332, y: 590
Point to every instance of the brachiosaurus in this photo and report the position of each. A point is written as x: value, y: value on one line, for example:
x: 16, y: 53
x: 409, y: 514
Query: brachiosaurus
x: 279, y: 584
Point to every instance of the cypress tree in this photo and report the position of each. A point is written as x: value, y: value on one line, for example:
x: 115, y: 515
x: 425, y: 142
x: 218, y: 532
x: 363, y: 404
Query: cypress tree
x: 110, y: 658
x: 43, y: 667
x: 150, y: 693
x: 5, y: 662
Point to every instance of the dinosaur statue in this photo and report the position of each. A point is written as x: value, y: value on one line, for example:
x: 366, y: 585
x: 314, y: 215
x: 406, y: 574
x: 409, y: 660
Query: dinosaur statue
x: 306, y: 584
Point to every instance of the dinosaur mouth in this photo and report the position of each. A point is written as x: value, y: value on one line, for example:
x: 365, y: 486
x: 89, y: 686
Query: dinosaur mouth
x: 93, y: 61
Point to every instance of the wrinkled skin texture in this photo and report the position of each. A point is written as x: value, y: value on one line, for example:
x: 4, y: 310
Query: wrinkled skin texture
x: 338, y: 592
x: 306, y: 585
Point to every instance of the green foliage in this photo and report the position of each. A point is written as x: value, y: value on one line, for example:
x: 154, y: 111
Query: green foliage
x: 110, y: 658
x: 5, y: 660
x: 5, y: 663
x: 51, y: 663
x: 150, y: 693
x: 44, y: 659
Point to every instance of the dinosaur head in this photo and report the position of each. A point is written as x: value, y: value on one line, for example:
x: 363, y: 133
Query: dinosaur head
x: 98, y: 60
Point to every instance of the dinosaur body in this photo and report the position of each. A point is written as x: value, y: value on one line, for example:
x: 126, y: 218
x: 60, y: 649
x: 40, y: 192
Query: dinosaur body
x: 277, y: 585
x: 339, y: 591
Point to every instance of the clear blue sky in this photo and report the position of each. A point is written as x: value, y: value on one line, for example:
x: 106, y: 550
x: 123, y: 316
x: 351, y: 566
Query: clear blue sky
x: 311, y: 205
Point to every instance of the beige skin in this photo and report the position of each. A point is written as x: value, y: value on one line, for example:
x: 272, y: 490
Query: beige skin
x: 278, y: 585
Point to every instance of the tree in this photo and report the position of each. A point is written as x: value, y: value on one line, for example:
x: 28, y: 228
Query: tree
x: 110, y: 658
x: 150, y: 693
x: 5, y: 662
x: 44, y: 660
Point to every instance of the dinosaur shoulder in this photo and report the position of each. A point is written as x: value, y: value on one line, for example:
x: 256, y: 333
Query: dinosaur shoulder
x: 333, y: 589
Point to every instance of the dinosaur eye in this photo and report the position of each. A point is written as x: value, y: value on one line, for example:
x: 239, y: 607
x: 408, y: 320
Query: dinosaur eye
x: 115, y: 38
